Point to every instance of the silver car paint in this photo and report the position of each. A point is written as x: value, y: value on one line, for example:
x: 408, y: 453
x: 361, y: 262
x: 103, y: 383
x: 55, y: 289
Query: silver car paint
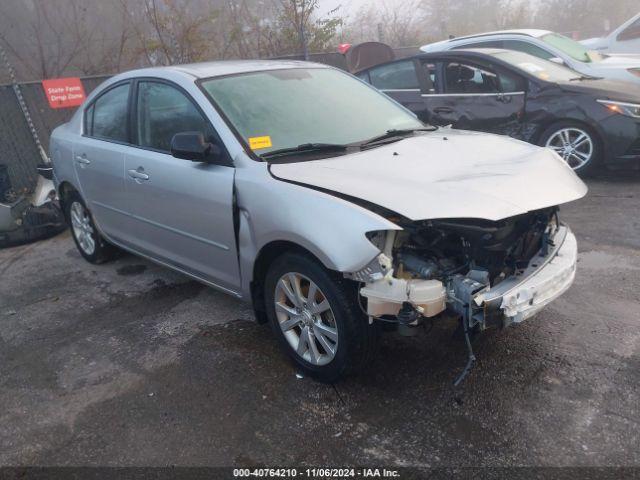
x: 614, y: 67
x: 200, y: 242
x: 447, y: 174
x: 152, y: 218
x: 611, y: 44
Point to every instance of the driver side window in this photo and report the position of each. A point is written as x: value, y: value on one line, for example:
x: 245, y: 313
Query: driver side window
x: 162, y: 112
x: 466, y: 78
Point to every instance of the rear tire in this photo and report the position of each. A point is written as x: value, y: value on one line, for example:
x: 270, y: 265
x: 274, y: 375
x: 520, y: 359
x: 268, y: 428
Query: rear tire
x: 577, y: 144
x: 318, y: 322
x: 91, y: 245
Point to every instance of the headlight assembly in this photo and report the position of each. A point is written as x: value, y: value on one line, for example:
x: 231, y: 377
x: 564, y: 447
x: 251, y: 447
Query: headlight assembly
x: 623, y: 108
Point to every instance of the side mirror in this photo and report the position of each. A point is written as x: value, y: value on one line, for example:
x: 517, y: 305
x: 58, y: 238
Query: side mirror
x: 557, y: 60
x: 193, y: 146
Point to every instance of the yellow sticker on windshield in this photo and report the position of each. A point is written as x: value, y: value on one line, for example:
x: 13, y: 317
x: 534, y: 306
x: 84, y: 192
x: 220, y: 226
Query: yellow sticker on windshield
x: 256, y: 143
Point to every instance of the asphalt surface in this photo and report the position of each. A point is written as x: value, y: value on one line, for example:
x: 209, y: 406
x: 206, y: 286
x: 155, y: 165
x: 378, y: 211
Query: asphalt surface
x: 131, y: 364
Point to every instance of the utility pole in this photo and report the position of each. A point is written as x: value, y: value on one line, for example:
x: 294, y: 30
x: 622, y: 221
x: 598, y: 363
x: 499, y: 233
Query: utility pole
x: 381, y: 37
x: 23, y: 105
x: 301, y: 32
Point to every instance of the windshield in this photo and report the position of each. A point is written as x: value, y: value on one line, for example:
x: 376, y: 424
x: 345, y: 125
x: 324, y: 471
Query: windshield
x: 278, y: 109
x: 543, y: 69
x: 572, y: 48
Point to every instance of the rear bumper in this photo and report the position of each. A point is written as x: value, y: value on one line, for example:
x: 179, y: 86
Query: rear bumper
x: 545, y: 279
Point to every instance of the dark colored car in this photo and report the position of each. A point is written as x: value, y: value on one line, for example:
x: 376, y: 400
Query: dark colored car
x: 588, y: 121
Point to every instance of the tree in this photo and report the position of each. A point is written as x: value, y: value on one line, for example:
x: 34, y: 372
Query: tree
x: 299, y: 29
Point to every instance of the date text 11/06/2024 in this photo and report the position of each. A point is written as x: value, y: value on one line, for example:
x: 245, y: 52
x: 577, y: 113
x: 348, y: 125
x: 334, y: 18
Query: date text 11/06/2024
x: 316, y: 472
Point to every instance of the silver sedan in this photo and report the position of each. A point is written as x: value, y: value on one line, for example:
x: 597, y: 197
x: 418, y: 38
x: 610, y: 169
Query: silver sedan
x: 327, y: 205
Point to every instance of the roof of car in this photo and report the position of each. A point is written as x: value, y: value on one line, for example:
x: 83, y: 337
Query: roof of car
x: 462, y: 51
x: 524, y: 32
x: 231, y: 67
x: 529, y: 32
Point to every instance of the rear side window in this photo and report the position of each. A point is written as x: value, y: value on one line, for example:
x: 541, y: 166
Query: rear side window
x: 395, y: 76
x: 529, y: 48
x: 162, y: 112
x: 107, y: 117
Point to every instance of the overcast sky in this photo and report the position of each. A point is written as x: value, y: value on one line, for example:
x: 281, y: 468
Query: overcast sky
x: 347, y: 6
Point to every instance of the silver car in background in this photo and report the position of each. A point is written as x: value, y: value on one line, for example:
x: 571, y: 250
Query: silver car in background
x: 623, y: 40
x: 549, y: 46
x: 330, y: 207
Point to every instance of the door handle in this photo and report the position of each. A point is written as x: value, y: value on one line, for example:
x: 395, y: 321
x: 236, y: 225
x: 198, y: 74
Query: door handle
x: 82, y: 159
x: 138, y: 175
x: 443, y: 110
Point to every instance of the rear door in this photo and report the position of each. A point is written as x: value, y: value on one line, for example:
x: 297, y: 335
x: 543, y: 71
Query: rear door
x: 400, y: 81
x: 98, y: 158
x: 472, y: 95
x: 183, y: 209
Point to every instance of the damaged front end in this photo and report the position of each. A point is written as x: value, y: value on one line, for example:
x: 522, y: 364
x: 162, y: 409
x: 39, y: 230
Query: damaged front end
x: 488, y: 273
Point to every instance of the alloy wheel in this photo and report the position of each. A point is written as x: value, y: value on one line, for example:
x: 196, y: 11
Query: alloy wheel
x: 82, y: 228
x: 574, y: 145
x: 306, y: 319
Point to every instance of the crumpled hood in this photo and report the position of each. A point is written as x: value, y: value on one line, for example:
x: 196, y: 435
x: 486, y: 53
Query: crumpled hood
x: 446, y: 174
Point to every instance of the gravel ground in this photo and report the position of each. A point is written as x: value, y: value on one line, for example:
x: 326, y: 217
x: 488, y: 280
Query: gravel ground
x: 131, y: 364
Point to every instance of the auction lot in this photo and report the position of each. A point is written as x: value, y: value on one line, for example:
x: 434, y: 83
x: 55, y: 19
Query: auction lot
x: 128, y: 363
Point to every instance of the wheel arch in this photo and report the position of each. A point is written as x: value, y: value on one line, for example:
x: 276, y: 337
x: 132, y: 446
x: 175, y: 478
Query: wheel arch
x: 265, y: 257
x: 65, y: 190
x: 592, y: 127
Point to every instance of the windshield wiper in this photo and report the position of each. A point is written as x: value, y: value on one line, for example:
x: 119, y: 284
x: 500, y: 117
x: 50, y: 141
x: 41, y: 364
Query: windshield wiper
x: 306, y: 148
x: 395, y: 133
x: 584, y: 77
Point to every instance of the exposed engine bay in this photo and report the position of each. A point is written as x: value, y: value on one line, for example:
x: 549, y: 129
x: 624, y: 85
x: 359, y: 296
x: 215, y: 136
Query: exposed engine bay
x: 486, y: 273
x: 436, y: 265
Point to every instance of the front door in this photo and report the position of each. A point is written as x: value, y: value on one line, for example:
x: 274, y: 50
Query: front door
x: 183, y: 209
x: 475, y: 97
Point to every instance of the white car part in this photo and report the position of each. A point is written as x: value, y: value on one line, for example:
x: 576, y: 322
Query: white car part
x: 386, y: 296
x: 543, y: 281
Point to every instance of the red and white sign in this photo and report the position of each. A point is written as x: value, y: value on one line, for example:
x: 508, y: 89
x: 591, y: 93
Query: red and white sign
x: 343, y: 48
x: 64, y: 92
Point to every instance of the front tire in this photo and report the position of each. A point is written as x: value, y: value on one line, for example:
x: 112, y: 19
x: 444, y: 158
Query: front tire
x: 315, y: 317
x: 90, y: 243
x: 576, y: 144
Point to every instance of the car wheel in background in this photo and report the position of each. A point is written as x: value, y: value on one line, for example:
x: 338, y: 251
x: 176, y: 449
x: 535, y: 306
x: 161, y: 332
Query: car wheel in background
x: 316, y: 319
x: 576, y: 144
x: 85, y: 234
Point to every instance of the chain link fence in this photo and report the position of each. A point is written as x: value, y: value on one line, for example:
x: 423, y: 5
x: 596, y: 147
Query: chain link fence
x: 18, y: 150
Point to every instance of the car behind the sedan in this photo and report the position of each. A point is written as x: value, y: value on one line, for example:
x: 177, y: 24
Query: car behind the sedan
x: 588, y: 121
x: 321, y: 201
